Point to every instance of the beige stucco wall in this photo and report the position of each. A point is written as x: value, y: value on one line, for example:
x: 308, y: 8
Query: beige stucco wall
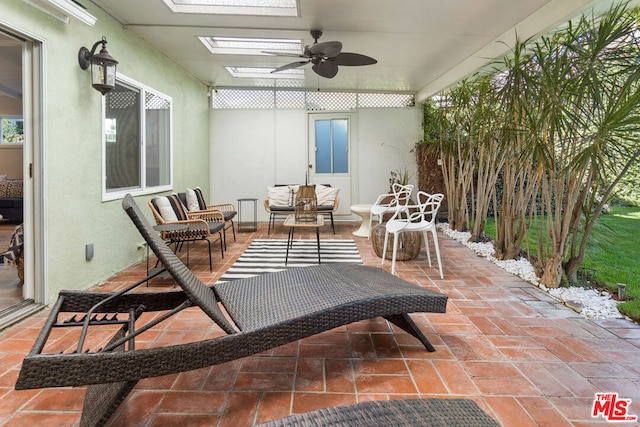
x: 74, y: 213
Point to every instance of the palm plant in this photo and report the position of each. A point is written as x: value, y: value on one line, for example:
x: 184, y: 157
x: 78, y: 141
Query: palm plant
x: 562, y: 132
x: 456, y: 151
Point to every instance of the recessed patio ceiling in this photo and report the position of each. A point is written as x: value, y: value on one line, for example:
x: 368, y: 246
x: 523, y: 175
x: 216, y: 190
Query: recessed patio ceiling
x: 421, y: 46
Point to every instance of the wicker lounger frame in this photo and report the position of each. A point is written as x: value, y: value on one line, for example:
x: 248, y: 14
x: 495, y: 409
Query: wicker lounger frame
x: 318, y: 299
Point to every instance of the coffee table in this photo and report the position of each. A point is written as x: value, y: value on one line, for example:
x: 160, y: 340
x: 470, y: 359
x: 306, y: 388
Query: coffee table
x: 291, y: 222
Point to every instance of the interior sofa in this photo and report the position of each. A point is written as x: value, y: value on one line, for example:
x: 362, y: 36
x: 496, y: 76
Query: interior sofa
x: 281, y: 197
x: 11, y: 203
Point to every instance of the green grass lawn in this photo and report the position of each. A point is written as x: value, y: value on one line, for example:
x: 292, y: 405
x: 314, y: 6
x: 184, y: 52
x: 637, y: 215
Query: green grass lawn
x: 613, y: 254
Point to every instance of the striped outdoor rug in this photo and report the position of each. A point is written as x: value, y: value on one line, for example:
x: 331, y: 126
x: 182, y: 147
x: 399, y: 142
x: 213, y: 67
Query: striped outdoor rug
x: 267, y: 256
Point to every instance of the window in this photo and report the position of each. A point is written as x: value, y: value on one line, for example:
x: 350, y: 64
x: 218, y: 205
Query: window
x: 332, y: 146
x: 11, y: 130
x: 137, y: 140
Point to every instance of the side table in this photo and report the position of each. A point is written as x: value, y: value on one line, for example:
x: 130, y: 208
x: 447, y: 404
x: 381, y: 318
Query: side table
x: 248, y: 225
x: 363, y: 211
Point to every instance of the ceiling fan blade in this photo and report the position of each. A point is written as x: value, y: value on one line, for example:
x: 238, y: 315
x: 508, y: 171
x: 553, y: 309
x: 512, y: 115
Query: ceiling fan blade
x: 326, y: 69
x: 328, y: 49
x: 293, y: 55
x: 353, y: 59
x: 290, y: 66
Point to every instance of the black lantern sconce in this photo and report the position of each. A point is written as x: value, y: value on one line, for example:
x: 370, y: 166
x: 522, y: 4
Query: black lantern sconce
x: 103, y: 66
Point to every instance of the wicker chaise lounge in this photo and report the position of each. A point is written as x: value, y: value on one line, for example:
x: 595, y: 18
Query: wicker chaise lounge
x: 261, y: 313
x: 393, y: 413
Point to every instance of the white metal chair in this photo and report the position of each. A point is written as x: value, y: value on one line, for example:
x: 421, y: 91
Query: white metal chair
x: 424, y: 219
x: 399, y: 201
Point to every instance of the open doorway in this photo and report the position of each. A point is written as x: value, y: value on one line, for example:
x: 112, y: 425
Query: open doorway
x: 20, y: 70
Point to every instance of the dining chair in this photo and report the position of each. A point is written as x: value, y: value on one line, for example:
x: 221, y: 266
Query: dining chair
x: 396, y: 201
x: 421, y: 218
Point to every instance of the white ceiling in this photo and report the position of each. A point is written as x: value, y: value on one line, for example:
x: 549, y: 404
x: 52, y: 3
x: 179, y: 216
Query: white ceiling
x: 422, y: 46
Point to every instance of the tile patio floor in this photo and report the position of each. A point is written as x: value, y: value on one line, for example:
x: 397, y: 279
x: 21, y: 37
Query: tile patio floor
x: 524, y: 358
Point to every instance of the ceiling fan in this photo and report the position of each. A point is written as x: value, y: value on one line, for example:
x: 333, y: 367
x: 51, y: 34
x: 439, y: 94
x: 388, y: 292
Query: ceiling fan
x: 325, y: 57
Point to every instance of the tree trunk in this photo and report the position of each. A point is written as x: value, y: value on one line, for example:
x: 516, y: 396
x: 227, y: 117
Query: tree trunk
x: 552, y: 275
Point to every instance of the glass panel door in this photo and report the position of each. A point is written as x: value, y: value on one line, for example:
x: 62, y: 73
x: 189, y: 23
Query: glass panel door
x: 329, y: 159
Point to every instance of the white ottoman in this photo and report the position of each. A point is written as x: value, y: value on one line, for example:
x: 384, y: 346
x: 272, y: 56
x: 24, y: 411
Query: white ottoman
x: 364, y: 211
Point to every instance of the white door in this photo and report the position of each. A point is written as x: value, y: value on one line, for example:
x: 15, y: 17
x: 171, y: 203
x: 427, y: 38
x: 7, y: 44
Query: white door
x: 330, y: 147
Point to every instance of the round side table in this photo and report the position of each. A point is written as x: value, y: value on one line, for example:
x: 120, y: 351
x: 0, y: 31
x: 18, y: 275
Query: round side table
x: 363, y: 211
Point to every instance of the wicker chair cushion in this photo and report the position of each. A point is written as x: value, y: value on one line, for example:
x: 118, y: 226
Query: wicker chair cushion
x: 191, y: 200
x: 170, y: 208
x: 279, y: 196
x: 200, y: 198
x: 326, y: 195
x: 215, y: 227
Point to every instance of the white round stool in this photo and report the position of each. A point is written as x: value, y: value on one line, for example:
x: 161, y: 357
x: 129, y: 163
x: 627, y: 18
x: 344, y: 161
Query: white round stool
x: 364, y: 211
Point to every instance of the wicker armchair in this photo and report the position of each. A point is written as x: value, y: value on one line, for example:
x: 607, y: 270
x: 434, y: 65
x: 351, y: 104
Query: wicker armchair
x: 198, y: 226
x: 228, y: 210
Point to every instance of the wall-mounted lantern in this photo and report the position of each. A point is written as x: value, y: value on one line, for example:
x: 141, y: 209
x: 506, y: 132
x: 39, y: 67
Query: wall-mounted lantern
x: 103, y: 66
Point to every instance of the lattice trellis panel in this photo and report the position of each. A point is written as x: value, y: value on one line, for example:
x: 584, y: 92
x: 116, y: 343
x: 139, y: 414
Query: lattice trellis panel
x: 293, y: 99
x: 386, y: 100
x: 311, y: 101
x: 329, y: 101
x: 155, y: 102
x: 122, y: 99
x: 242, y: 98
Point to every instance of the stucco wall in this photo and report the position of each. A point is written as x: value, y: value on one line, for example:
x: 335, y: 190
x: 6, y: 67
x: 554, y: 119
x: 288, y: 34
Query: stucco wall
x: 251, y: 149
x: 73, y: 211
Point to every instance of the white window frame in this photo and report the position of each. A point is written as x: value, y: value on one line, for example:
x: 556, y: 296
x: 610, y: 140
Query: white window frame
x: 143, y: 189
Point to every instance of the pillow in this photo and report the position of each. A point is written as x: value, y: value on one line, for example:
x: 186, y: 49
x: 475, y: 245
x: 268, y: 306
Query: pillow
x: 326, y: 195
x: 170, y: 208
x: 192, y: 200
x: 293, y: 190
x: 278, y: 196
x: 3, y: 177
x: 11, y: 188
x: 201, y: 203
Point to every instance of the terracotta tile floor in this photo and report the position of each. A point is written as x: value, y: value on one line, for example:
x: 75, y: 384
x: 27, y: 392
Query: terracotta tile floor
x: 524, y: 358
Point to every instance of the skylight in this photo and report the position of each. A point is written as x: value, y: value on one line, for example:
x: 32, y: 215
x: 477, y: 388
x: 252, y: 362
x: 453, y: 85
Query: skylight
x: 236, y: 7
x: 249, y: 46
x: 265, y: 73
